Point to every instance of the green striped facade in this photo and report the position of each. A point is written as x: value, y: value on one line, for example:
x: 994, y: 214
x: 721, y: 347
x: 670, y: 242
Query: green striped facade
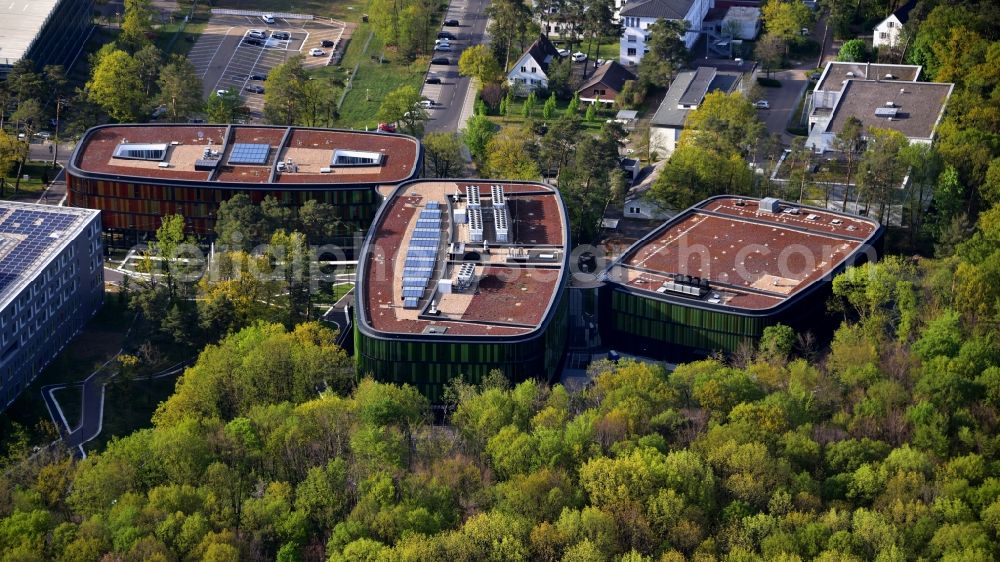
x: 637, y: 323
x: 430, y: 365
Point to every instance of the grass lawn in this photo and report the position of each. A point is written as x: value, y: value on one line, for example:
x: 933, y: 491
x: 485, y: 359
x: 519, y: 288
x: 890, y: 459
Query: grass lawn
x: 515, y: 116
x: 71, y: 401
x: 340, y: 290
x: 347, y: 11
x: 33, y: 185
x: 129, y: 406
x: 373, y: 80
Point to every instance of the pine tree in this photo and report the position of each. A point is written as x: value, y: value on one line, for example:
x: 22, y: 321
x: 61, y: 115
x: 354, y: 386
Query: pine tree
x: 550, y: 107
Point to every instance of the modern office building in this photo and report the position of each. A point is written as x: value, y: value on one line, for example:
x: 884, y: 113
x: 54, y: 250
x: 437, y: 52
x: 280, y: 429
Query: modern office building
x: 716, y: 275
x: 44, y: 31
x: 136, y: 174
x: 458, y: 278
x: 51, y: 283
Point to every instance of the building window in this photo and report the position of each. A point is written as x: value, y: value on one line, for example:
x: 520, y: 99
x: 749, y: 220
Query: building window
x: 631, y: 52
x: 634, y: 210
x: 524, y: 69
x: 891, y: 23
x: 883, y: 35
x: 534, y: 70
x: 631, y: 38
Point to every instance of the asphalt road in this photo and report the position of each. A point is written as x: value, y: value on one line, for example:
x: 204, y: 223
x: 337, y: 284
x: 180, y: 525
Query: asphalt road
x: 450, y: 95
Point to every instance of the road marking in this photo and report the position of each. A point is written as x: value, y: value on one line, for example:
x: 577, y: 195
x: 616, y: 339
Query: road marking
x: 216, y: 52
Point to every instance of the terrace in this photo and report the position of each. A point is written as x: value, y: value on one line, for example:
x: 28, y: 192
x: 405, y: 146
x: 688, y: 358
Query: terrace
x: 436, y: 266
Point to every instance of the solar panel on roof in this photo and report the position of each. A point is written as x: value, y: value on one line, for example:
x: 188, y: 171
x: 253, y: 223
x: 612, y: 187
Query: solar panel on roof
x: 433, y: 205
x: 429, y: 224
x: 416, y: 282
x: 411, y: 292
x: 421, y: 253
x: 411, y: 302
x: 427, y: 233
x: 424, y: 242
x: 418, y: 262
x: 249, y: 153
x: 430, y: 214
x: 417, y: 271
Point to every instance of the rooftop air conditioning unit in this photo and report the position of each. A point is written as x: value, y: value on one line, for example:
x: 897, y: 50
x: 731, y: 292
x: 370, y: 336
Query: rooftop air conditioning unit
x: 890, y: 104
x: 325, y: 170
x: 163, y: 165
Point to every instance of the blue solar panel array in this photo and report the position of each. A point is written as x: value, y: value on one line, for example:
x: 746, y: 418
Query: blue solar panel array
x: 249, y: 153
x: 39, y: 229
x: 421, y: 255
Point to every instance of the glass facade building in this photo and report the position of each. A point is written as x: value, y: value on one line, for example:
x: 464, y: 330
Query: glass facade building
x: 60, y: 37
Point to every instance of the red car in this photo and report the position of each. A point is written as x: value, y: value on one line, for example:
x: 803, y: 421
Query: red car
x: 387, y: 127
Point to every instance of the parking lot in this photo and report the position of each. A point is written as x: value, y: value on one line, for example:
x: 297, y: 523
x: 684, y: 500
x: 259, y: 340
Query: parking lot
x: 225, y: 56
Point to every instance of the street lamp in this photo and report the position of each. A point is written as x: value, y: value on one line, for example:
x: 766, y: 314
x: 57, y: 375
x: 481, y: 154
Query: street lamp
x: 55, y: 153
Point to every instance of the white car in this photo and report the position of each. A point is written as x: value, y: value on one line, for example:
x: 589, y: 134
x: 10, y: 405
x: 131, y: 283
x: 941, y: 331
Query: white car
x: 257, y: 34
x: 579, y: 57
x: 762, y: 104
x: 563, y: 52
x: 221, y: 92
x: 444, y: 42
x: 444, y: 48
x: 317, y: 52
x: 267, y: 18
x: 427, y: 104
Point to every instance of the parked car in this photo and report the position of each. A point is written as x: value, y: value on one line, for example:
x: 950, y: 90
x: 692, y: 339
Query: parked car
x: 579, y: 57
x: 451, y: 23
x: 160, y: 111
x: 221, y: 92
x: 762, y: 104
x: 317, y: 52
x: 268, y: 19
x: 387, y: 127
x: 563, y: 52
x: 257, y: 34
x: 254, y: 88
x: 442, y: 47
x: 433, y: 80
x: 252, y: 41
x: 328, y: 43
x: 446, y: 35
x: 427, y: 104
x: 261, y: 77
x: 45, y: 135
x: 442, y: 42
x: 444, y: 61
x: 284, y: 35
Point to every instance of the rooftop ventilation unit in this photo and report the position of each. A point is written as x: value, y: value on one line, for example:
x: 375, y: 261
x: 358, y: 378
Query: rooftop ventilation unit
x: 890, y: 103
x: 475, y: 225
x: 466, y: 275
x: 472, y: 195
x: 206, y: 164
x: 769, y: 205
x: 685, y: 285
x: 500, y: 225
x: 498, y: 196
x: 889, y: 112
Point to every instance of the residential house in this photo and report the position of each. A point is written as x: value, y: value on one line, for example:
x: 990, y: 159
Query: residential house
x: 637, y: 16
x: 639, y: 204
x: 883, y: 96
x: 686, y: 93
x: 529, y: 73
x: 605, y: 83
x: 887, y: 32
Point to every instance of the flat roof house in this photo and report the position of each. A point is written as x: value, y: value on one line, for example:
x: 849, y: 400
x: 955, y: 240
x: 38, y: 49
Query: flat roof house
x: 43, y: 31
x: 715, y: 275
x: 461, y: 277
x: 136, y: 174
x: 879, y: 95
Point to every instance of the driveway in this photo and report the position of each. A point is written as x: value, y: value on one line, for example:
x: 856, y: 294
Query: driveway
x: 783, y: 101
x: 454, y: 94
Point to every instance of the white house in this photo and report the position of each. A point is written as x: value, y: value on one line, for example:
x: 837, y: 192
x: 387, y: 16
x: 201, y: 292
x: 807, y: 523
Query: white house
x: 638, y: 15
x: 685, y: 94
x: 529, y: 73
x: 887, y: 31
x: 639, y: 204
